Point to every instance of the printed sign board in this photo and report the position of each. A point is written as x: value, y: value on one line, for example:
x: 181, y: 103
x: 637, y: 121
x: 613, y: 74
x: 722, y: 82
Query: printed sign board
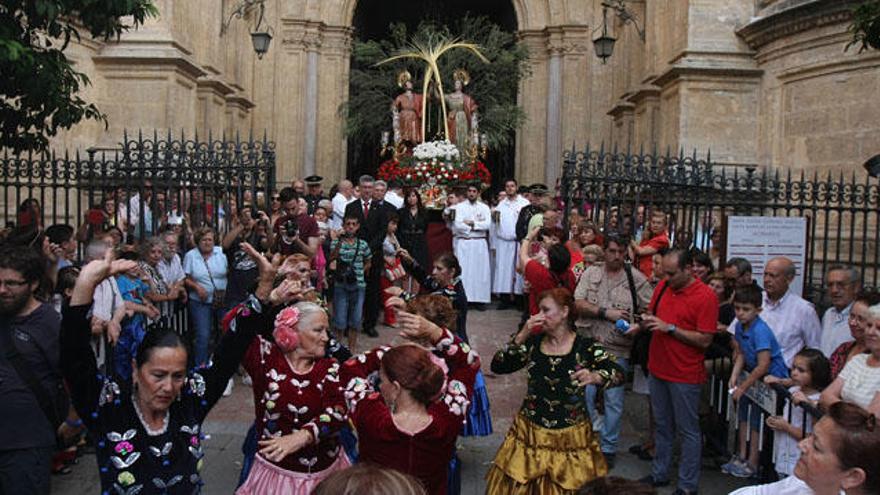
x: 759, y: 239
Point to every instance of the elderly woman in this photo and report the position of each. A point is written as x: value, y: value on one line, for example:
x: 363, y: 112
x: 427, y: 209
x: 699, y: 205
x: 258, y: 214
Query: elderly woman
x: 413, y: 422
x: 839, y: 457
x: 147, y: 432
x: 162, y: 293
x: 206, y: 273
x: 299, y: 404
x: 859, y: 382
x: 858, y: 316
x: 551, y: 447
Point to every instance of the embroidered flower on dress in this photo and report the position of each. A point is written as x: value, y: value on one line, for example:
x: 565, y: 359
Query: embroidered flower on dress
x: 197, y: 384
x: 125, y: 478
x: 124, y: 448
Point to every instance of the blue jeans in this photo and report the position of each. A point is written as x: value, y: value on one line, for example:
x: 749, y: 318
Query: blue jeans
x: 348, y: 306
x: 202, y: 316
x: 610, y: 432
x: 676, y: 408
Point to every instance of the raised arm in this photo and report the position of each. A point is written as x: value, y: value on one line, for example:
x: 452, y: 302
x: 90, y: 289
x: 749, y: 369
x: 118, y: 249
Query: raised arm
x: 77, y: 359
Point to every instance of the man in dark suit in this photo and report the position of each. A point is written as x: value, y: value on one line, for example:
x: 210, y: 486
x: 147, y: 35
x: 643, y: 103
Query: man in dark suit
x: 372, y: 210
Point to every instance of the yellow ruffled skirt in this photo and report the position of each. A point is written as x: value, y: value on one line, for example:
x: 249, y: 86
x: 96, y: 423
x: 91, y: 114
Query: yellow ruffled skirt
x: 540, y: 461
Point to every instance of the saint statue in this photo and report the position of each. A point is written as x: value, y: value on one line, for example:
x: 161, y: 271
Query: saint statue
x: 406, y: 112
x: 461, y: 116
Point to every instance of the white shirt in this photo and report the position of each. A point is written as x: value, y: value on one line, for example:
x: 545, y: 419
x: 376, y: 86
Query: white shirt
x: 794, y: 322
x: 789, y: 486
x: 107, y: 299
x: 835, y: 329
x: 339, y: 204
x: 509, y: 213
x: 395, y: 199
x: 861, y: 383
x: 171, y: 271
x: 479, y: 213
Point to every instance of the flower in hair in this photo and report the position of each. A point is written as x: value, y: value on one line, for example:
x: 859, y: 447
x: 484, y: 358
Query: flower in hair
x: 285, y: 334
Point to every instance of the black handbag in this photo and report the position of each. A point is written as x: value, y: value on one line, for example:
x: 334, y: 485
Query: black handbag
x: 642, y: 340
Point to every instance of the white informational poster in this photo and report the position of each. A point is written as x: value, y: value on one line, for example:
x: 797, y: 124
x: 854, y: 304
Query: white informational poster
x: 759, y: 239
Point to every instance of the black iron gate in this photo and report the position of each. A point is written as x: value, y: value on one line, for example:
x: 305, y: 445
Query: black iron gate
x: 616, y: 189
x: 165, y: 178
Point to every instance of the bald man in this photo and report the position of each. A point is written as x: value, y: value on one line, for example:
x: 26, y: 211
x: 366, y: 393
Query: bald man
x: 344, y: 196
x: 792, y: 318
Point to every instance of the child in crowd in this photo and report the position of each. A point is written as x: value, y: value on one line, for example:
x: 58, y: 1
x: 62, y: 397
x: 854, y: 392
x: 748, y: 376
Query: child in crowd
x: 654, y: 240
x: 810, y: 373
x: 757, y: 353
x: 394, y: 271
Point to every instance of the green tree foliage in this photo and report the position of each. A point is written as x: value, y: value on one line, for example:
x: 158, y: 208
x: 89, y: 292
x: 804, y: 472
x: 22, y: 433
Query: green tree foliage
x: 865, y: 25
x: 494, y: 85
x: 39, y: 87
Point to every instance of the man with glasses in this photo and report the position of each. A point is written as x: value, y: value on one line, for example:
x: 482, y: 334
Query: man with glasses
x: 605, y: 295
x: 29, y: 365
x: 843, y: 283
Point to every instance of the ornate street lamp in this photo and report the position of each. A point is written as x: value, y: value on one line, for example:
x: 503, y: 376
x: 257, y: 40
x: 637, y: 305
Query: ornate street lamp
x: 260, y: 38
x: 261, y: 42
x: 604, y: 45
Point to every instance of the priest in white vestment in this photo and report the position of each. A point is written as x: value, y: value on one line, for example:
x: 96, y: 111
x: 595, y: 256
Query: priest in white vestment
x: 506, y: 247
x: 470, y: 231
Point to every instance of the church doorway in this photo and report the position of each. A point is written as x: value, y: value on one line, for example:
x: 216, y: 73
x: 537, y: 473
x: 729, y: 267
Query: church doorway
x: 372, y: 21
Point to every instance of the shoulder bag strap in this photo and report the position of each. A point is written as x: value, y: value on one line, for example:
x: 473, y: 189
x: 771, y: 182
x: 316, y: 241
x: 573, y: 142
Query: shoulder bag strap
x: 208, y: 268
x: 627, y: 267
x: 660, y: 296
x: 27, y: 376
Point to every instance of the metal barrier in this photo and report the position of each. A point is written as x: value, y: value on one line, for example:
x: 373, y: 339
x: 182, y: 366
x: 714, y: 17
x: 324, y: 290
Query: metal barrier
x: 141, y: 186
x: 615, y: 189
x: 772, y: 400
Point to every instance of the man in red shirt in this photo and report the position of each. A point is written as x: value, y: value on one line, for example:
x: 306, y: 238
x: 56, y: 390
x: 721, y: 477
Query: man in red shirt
x: 684, y: 318
x: 655, y: 239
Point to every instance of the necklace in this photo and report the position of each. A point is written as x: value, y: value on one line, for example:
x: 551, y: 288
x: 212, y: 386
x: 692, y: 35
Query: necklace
x: 151, y: 432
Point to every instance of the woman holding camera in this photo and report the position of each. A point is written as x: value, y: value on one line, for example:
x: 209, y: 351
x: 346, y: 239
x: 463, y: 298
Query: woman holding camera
x: 206, y: 274
x: 349, y: 259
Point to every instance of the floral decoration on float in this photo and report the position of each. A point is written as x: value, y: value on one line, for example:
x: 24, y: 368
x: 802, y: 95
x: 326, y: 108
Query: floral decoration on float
x: 434, y: 167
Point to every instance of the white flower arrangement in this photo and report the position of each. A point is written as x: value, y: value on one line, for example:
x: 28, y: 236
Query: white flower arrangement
x: 432, y: 150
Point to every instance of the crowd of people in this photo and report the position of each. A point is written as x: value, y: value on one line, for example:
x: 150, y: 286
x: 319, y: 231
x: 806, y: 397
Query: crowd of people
x: 124, y: 331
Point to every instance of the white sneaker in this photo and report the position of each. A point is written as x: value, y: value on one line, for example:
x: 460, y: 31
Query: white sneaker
x: 229, y: 385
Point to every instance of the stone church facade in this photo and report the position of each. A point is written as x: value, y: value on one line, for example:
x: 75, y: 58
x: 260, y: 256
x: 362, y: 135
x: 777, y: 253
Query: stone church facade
x: 757, y: 82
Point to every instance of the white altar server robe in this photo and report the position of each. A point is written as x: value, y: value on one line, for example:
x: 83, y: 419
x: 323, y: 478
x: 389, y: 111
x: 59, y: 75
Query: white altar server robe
x: 472, y: 249
x: 506, y: 247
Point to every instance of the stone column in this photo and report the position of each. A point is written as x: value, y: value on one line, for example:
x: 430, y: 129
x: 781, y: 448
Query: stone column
x: 312, y: 43
x: 553, y: 152
x: 575, y: 117
x: 530, y: 150
x: 333, y: 92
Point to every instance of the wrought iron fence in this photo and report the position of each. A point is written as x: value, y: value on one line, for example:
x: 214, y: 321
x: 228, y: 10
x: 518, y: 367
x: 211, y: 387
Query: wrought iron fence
x: 615, y: 189
x: 141, y: 186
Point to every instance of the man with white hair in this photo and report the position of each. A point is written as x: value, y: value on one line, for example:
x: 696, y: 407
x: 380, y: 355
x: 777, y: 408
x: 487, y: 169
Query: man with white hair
x: 843, y: 283
x: 344, y: 196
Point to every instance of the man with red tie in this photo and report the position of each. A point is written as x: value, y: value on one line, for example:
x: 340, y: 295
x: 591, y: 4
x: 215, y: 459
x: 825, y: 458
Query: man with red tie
x: 372, y: 210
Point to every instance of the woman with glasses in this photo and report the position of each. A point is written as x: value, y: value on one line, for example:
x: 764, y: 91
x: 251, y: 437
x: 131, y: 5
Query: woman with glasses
x: 275, y: 209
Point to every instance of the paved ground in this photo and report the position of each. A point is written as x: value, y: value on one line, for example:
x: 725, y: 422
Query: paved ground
x: 230, y: 419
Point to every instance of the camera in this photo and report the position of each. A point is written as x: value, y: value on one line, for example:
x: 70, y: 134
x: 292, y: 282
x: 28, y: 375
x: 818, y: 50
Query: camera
x: 290, y: 227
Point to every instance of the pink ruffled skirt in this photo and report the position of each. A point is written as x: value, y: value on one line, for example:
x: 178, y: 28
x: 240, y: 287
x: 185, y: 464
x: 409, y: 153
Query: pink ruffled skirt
x: 266, y: 477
